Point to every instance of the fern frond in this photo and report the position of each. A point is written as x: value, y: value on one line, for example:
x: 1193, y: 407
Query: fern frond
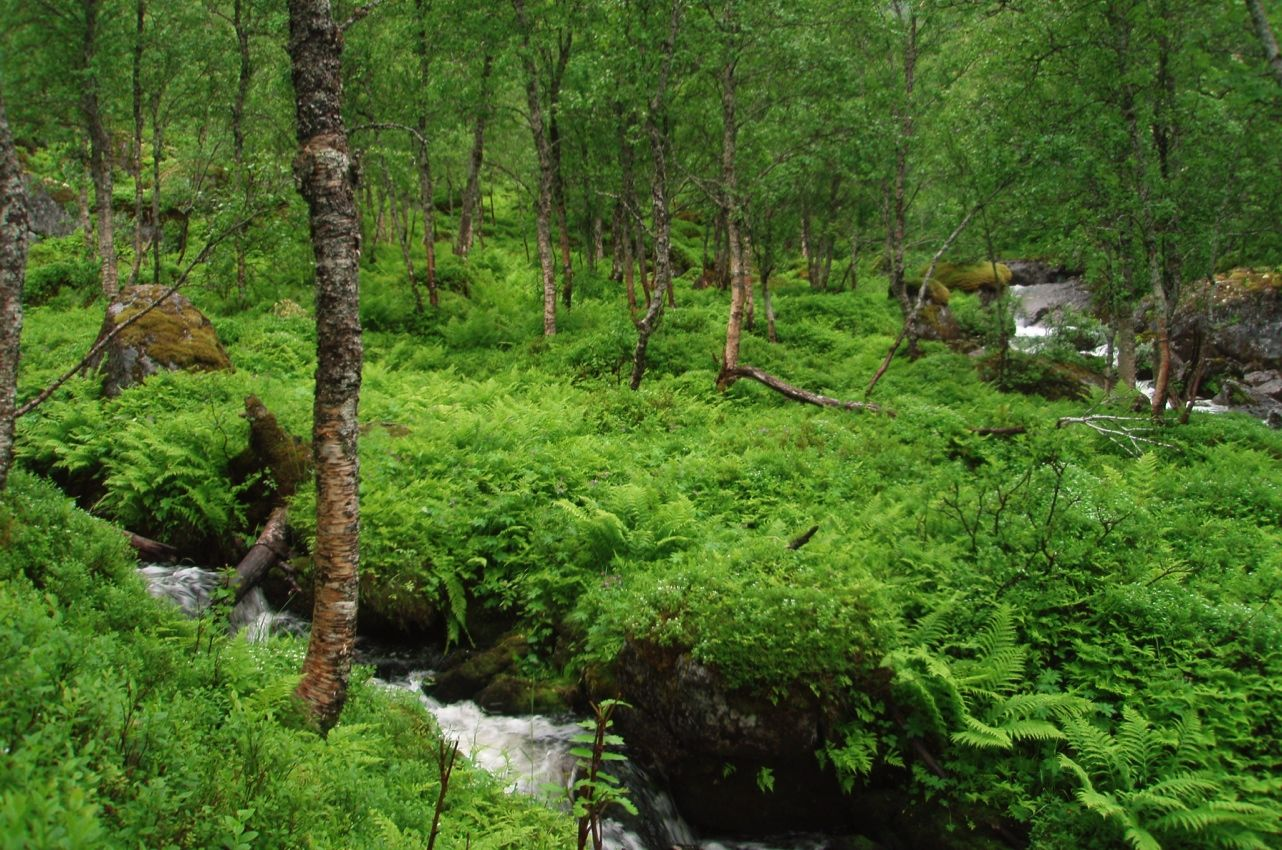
x: 1032, y: 730
x: 982, y: 736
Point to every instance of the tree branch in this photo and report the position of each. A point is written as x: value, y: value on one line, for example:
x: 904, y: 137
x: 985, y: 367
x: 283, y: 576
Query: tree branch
x: 729, y: 376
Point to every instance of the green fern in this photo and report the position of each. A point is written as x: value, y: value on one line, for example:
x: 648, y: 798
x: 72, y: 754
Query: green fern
x: 1138, y: 779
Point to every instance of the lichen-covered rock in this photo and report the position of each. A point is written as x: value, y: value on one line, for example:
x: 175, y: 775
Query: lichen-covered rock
x: 174, y: 335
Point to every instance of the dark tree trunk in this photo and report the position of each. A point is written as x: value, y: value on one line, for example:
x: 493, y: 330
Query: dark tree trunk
x: 426, y: 187
x: 472, y: 192
x: 656, y: 129
x: 99, y: 152
x: 899, y: 201
x: 402, y: 228
x: 268, y: 549
x: 157, y: 151
x: 13, y: 263
x: 244, y: 75
x: 136, y: 151
x: 323, y: 169
x: 730, y: 206
x: 544, y: 151
x: 564, y: 43
x: 562, y: 220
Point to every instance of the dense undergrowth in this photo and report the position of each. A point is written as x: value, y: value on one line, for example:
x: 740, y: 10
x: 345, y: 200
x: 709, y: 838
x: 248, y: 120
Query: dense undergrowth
x: 1088, y: 641
x: 125, y: 725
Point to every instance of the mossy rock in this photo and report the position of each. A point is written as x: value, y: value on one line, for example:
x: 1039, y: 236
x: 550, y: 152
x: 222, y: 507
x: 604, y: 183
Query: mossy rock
x: 972, y: 277
x: 936, y: 321
x: 936, y: 292
x: 173, y: 335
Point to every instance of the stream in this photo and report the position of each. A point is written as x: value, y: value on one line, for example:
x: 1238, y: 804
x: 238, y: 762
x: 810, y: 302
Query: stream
x: 529, y: 754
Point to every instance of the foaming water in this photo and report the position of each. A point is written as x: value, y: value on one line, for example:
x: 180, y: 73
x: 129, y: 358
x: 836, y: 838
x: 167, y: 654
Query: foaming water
x: 192, y: 589
x: 531, y: 755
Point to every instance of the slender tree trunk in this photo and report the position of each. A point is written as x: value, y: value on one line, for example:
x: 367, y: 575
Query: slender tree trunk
x: 661, y: 220
x: 558, y: 200
x: 99, y: 153
x: 136, y: 150
x: 472, y: 192
x: 1268, y: 42
x: 544, y: 151
x: 244, y: 75
x: 157, y: 151
x: 900, y: 199
x: 13, y: 263
x: 618, y: 242
x: 404, y: 238
x: 854, y: 258
x: 769, y: 306
x: 643, y: 263
x: 426, y: 186
x: 86, y: 223
x: 323, y: 170
x: 734, y: 234
x: 721, y: 259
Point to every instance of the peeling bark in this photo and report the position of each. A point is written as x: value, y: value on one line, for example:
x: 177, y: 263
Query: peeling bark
x: 323, y: 169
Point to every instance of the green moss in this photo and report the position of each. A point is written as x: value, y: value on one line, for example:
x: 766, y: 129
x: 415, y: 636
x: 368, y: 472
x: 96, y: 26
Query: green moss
x: 972, y: 277
x: 174, y: 334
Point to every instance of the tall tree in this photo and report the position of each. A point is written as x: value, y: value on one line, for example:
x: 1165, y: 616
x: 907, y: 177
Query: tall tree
x: 547, y: 165
x: 92, y: 113
x: 324, y: 172
x: 657, y: 130
x: 13, y: 261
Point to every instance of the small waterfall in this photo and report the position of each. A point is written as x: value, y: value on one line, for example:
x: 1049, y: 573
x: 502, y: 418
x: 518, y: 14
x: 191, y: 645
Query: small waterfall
x: 532, y: 756
x: 192, y: 589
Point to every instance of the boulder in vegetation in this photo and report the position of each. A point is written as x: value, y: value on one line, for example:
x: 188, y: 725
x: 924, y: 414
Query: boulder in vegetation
x: 174, y: 335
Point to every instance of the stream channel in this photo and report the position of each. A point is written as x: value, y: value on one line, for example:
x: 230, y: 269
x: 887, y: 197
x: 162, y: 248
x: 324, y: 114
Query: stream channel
x: 529, y: 754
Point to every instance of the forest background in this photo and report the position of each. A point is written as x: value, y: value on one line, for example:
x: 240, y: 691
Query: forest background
x: 606, y: 249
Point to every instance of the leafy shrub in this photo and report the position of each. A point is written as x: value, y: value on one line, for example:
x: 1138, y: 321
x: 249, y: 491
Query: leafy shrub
x: 58, y: 264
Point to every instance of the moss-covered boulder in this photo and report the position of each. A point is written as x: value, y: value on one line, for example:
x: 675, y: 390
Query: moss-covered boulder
x: 973, y: 277
x: 495, y: 680
x: 174, y: 335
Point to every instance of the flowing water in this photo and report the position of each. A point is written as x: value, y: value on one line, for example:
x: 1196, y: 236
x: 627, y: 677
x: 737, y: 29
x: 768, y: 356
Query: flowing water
x: 530, y: 755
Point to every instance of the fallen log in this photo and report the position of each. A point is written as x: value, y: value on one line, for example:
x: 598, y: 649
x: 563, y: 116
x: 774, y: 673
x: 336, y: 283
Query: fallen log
x: 266, y: 551
x: 151, y: 550
x: 729, y: 376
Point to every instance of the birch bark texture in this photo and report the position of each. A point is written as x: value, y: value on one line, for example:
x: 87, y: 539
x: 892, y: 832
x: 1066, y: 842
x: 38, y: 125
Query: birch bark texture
x: 324, y: 174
